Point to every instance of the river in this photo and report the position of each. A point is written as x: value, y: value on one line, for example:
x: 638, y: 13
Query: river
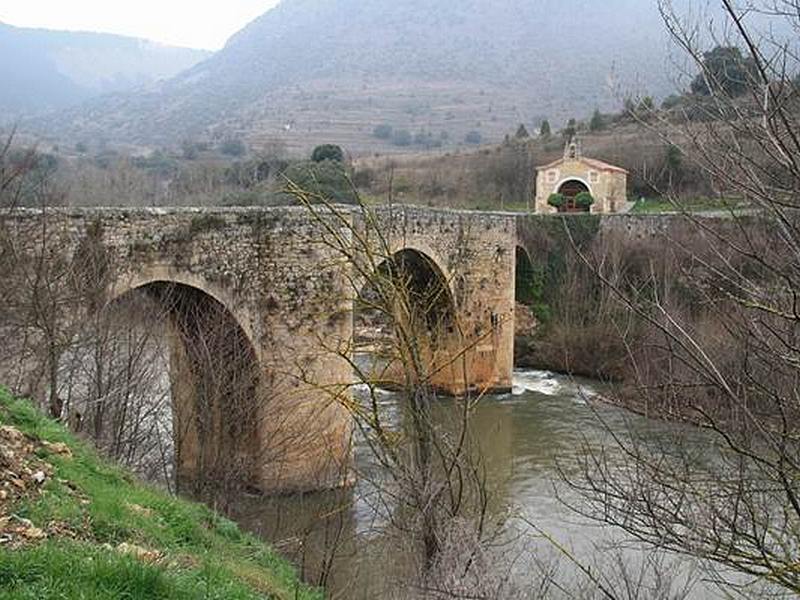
x: 527, y: 438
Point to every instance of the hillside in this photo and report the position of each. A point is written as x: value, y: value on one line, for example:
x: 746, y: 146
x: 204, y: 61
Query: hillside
x: 332, y: 70
x: 42, y: 69
x: 74, y: 526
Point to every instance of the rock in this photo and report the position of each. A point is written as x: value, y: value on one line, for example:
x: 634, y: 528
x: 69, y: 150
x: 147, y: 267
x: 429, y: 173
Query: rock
x: 140, y: 510
x: 142, y: 554
x: 34, y: 533
x: 18, y: 483
x: 24, y: 523
x: 11, y: 434
x: 7, y: 456
x: 58, y: 448
x: 39, y: 477
x: 3, y: 495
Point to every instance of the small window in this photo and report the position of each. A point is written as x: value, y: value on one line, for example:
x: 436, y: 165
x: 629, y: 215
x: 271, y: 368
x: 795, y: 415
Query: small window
x: 594, y: 176
x: 552, y: 176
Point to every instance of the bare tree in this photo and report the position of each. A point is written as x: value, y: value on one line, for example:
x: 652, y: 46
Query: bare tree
x: 723, y: 346
x: 429, y: 487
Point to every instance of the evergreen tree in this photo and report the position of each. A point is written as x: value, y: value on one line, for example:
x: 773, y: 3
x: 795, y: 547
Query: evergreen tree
x: 544, y: 130
x: 597, y: 123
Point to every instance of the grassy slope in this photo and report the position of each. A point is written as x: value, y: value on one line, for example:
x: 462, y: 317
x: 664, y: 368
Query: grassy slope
x: 204, y: 555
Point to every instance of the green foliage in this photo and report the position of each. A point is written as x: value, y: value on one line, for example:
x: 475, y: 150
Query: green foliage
x: 205, y: 555
x: 383, y: 132
x: 327, y: 152
x: 549, y: 267
x: 724, y: 69
x: 597, y: 123
x: 556, y: 200
x: 584, y: 200
x: 545, y: 130
x: 233, y: 147
x: 570, y: 130
x: 402, y: 137
x: 327, y: 179
x: 158, y: 162
x: 674, y: 160
x: 671, y: 101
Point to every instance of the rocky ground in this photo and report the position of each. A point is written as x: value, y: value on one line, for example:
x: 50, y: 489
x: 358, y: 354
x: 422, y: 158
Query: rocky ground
x: 23, y: 472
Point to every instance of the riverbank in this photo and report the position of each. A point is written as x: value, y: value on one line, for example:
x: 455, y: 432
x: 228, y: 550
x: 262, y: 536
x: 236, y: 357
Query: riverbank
x: 74, y: 526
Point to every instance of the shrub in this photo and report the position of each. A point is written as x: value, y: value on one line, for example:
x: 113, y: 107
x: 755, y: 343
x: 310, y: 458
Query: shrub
x: 328, y: 152
x: 556, y: 200
x: 402, y: 137
x: 474, y: 137
x: 233, y: 147
x: 584, y: 200
x: 382, y: 132
x: 328, y: 179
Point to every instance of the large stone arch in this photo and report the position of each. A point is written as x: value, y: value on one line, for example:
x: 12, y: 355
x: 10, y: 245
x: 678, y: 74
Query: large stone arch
x: 215, y: 380
x: 244, y: 317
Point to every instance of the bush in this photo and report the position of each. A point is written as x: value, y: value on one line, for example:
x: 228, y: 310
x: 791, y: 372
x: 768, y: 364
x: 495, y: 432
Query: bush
x: 233, y: 147
x: 382, y: 132
x: 402, y: 137
x: 474, y: 137
x: 328, y: 152
x: 556, y: 200
x: 584, y: 200
x: 327, y: 179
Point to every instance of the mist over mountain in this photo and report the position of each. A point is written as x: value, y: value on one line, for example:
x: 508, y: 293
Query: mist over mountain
x: 331, y: 70
x: 42, y: 69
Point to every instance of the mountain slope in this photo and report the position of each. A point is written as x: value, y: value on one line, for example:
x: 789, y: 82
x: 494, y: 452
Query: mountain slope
x: 313, y: 70
x: 42, y: 69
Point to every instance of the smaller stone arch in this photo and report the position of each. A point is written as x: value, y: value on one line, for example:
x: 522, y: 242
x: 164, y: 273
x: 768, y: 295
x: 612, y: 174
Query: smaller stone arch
x: 414, y: 297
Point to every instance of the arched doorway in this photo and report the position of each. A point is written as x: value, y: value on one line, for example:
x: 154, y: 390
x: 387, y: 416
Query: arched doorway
x: 191, y: 341
x: 570, y: 189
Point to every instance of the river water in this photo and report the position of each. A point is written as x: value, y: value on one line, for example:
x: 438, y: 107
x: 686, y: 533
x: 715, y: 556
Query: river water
x: 527, y: 438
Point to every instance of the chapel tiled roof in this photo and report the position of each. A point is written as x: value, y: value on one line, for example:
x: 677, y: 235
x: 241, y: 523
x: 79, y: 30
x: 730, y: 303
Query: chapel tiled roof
x: 592, y: 162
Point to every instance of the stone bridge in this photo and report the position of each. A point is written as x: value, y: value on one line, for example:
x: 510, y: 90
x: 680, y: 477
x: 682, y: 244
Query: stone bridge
x: 260, y: 301
x: 264, y: 291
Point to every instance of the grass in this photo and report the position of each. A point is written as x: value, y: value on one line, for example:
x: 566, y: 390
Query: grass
x: 203, y: 554
x: 662, y: 205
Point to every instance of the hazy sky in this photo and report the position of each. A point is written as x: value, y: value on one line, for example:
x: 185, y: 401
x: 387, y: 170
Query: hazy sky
x: 193, y: 23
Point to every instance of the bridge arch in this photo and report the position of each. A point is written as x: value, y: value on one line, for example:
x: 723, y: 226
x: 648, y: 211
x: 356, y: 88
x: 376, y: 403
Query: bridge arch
x: 155, y: 274
x: 214, y: 381
x: 423, y: 319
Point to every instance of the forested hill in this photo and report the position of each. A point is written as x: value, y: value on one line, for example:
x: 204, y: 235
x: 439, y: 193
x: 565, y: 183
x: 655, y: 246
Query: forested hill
x: 43, y: 69
x: 309, y: 70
